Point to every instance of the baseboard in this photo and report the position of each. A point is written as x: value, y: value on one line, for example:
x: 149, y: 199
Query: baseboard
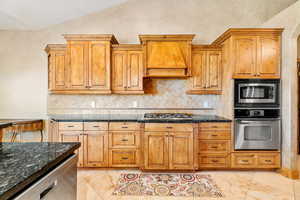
x: 290, y: 173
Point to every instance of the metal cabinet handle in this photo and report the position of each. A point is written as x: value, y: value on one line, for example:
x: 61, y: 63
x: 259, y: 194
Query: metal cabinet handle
x: 70, y: 126
x: 124, y: 140
x: 268, y: 160
x: 214, y: 135
x: 214, y: 126
x: 215, y: 161
x: 124, y: 158
x: 169, y: 127
x: 245, y: 160
x: 214, y: 147
x: 124, y: 126
x: 96, y: 126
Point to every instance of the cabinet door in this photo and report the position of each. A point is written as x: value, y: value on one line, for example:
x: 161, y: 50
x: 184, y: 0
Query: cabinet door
x: 96, y: 149
x: 268, y: 53
x: 213, y: 71
x: 77, y: 56
x: 135, y: 71
x: 244, y: 54
x: 198, y: 70
x: 57, y: 71
x: 181, y: 150
x: 119, y: 64
x: 99, y: 65
x: 156, y: 153
x: 74, y: 136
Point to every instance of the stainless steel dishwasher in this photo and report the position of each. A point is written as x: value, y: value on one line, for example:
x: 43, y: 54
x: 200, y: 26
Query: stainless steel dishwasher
x: 61, y: 183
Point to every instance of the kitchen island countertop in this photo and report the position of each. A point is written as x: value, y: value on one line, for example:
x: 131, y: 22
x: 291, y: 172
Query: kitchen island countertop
x: 22, y: 164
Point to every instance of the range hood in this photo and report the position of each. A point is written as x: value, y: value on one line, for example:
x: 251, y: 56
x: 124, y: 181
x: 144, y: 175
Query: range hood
x: 167, y: 55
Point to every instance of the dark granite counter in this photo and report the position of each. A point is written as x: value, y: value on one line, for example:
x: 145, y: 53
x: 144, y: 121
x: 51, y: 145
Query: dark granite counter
x: 21, y: 164
x: 134, y: 118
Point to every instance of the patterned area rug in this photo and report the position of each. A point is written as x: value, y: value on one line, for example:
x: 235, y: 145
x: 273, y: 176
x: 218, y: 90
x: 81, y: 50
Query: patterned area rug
x: 185, y: 185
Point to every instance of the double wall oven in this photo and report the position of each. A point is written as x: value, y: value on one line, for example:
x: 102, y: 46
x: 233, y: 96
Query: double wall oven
x: 257, y: 114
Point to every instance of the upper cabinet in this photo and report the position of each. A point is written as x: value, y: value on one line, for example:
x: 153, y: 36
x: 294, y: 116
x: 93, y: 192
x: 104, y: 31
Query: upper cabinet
x: 254, y: 53
x: 167, y: 55
x: 127, y: 69
x: 89, y: 63
x: 206, y: 70
x: 57, y: 72
x: 81, y: 67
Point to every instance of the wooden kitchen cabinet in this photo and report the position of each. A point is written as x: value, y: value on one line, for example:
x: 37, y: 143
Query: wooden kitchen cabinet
x: 84, y: 67
x: 206, y: 70
x: 127, y: 69
x: 96, y: 149
x: 156, y: 150
x: 166, y: 147
x: 74, y: 136
x: 167, y: 55
x: 57, y: 72
x: 254, y: 53
x: 181, y: 150
x: 255, y: 160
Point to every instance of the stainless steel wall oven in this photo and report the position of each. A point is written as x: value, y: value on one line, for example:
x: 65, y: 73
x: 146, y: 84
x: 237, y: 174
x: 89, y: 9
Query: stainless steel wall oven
x: 257, y: 129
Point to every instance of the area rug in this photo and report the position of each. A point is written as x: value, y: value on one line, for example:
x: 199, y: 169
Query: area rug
x: 184, y: 185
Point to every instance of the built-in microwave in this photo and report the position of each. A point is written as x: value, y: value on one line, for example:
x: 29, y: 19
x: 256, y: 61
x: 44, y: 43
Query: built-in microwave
x: 256, y: 93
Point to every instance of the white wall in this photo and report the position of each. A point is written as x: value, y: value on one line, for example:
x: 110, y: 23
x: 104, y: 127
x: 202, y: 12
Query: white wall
x: 23, y: 63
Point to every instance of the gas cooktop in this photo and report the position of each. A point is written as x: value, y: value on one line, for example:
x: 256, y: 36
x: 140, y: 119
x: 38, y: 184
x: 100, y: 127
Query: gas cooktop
x: 167, y: 116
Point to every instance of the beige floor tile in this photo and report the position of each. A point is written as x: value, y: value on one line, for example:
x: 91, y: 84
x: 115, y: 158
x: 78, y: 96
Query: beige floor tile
x: 270, y: 185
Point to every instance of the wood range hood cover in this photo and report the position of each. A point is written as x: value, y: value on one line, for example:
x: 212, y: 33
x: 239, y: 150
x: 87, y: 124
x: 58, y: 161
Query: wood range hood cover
x: 167, y: 55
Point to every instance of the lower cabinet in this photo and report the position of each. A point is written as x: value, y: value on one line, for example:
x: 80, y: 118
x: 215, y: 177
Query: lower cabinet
x: 214, y: 160
x: 168, y: 150
x: 74, y: 136
x: 255, y: 160
x: 124, y: 158
x: 96, y: 149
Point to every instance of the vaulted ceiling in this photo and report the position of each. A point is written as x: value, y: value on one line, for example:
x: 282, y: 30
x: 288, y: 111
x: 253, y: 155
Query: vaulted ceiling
x: 36, y: 14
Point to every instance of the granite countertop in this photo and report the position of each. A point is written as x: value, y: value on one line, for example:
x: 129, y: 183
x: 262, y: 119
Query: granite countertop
x: 134, y: 118
x: 21, y: 164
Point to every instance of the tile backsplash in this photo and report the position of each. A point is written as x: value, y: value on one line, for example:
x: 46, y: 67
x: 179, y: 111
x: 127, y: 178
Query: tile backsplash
x: 170, y: 96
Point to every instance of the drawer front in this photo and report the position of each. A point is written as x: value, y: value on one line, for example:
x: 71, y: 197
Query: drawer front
x: 268, y: 160
x: 123, y: 126
x: 215, y: 126
x: 123, y: 158
x: 70, y: 126
x: 123, y: 139
x: 243, y: 160
x: 168, y: 127
x: 214, y: 146
x: 214, y: 160
x: 95, y: 126
x: 214, y: 135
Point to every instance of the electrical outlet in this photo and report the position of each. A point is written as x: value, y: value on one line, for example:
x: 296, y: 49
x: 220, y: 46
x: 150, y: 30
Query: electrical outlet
x: 93, y: 104
x: 205, y: 104
x: 134, y: 104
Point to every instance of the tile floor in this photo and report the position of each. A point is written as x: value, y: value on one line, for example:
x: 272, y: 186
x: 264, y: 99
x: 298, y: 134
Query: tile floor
x: 236, y: 185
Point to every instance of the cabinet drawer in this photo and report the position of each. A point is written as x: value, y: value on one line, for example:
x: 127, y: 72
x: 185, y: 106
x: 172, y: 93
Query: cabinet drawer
x: 214, y: 135
x: 70, y: 126
x: 123, y: 126
x: 215, y: 126
x: 123, y: 158
x: 268, y: 160
x: 214, y: 146
x: 124, y: 139
x: 95, y: 126
x: 255, y: 160
x: 168, y: 127
x: 214, y: 160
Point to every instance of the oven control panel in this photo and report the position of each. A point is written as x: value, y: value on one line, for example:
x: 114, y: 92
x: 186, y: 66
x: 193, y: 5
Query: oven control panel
x: 256, y: 113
